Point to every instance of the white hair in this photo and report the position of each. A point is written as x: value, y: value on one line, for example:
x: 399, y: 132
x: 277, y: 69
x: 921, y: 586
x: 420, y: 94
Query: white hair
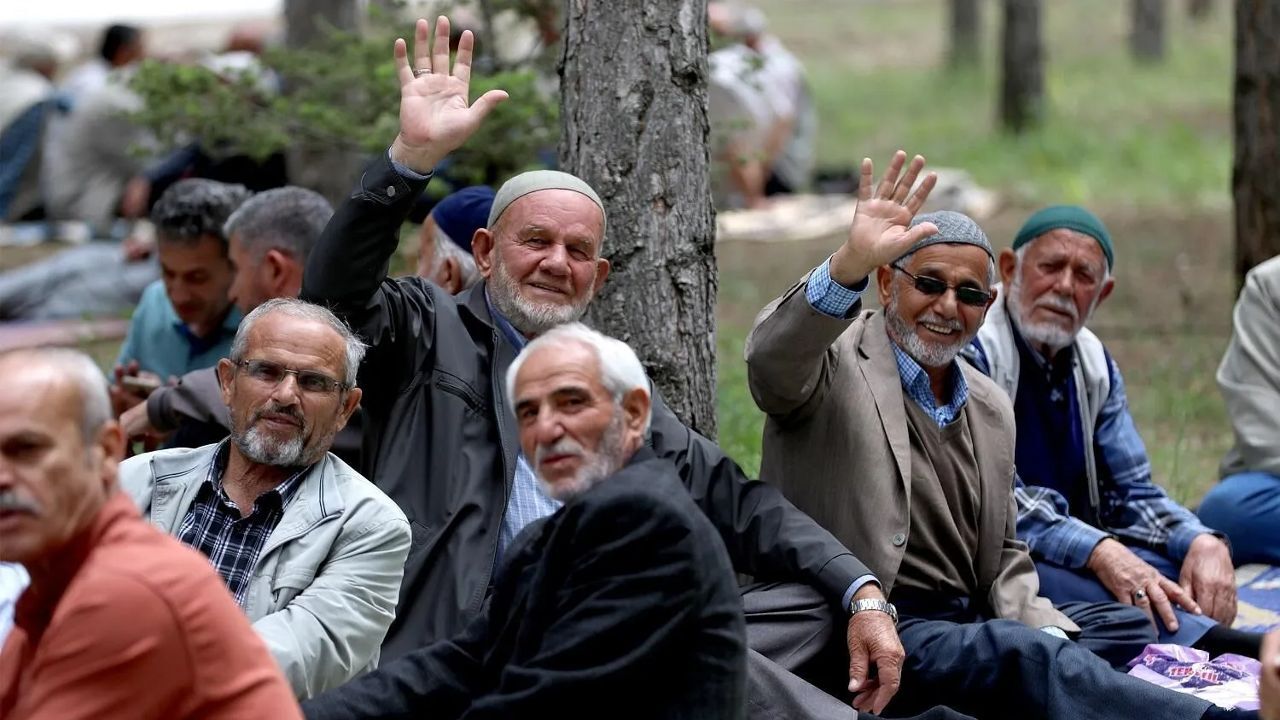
x: 620, y: 369
x: 354, y: 349
x: 446, y: 248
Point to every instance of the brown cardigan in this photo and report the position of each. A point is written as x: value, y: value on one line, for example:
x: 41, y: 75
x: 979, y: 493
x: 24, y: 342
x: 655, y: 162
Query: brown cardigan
x: 129, y: 623
x: 836, y: 442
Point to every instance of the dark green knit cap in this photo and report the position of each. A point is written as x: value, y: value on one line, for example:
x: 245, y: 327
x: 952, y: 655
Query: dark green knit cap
x: 1071, y: 217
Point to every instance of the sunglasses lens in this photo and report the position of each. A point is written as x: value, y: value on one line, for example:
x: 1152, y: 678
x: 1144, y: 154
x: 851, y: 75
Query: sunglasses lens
x: 930, y: 286
x: 972, y: 296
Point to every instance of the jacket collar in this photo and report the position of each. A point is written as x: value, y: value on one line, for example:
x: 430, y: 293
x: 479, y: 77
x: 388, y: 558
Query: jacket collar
x: 881, y: 371
x: 177, y: 477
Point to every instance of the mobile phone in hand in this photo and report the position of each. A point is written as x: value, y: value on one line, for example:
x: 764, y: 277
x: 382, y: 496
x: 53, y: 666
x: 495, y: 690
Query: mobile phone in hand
x: 142, y: 384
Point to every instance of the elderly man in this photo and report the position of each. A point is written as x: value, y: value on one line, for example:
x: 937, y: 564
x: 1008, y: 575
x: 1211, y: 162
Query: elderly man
x: 185, y: 320
x: 883, y: 436
x: 119, y: 621
x: 1246, y: 504
x: 312, y: 551
x: 439, y: 435
x: 1097, y: 526
x: 269, y: 239
x: 625, y: 591
x: 444, y: 250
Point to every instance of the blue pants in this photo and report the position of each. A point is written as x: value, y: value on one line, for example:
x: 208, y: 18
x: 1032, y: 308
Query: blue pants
x: 1004, y: 669
x: 1246, y: 506
x: 1061, y: 585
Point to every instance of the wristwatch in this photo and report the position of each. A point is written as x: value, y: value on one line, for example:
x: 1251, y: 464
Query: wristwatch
x: 883, y: 606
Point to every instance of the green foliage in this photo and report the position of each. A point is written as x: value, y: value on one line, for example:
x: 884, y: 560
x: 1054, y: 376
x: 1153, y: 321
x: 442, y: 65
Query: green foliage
x: 341, y: 93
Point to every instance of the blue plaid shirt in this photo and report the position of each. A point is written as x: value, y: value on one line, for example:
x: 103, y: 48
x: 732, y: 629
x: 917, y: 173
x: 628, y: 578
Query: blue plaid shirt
x: 214, y: 527
x: 527, y: 502
x: 1133, y: 508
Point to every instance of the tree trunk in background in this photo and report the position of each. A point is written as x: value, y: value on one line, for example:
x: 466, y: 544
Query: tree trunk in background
x: 1255, y: 179
x: 1021, y: 66
x: 329, y: 172
x: 633, y: 115
x: 966, y: 21
x: 1146, y: 37
x: 1199, y: 9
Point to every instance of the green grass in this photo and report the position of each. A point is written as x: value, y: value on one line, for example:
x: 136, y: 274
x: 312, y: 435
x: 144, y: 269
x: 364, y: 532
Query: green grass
x: 1147, y: 147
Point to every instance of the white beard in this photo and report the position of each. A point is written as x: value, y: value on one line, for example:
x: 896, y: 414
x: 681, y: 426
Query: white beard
x: 926, y: 353
x: 596, y: 466
x: 258, y: 448
x: 529, y: 318
x: 1049, y: 334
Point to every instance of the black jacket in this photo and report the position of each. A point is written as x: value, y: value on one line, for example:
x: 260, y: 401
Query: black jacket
x: 441, y: 440
x: 621, y: 604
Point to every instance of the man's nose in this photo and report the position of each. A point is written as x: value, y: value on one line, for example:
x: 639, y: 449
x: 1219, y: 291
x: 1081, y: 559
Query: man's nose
x: 555, y: 260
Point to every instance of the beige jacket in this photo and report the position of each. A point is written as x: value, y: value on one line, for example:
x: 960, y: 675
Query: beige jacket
x: 1249, y: 376
x: 836, y: 442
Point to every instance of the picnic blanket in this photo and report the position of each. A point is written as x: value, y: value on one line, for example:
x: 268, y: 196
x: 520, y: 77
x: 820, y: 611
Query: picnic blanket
x: 1259, y: 603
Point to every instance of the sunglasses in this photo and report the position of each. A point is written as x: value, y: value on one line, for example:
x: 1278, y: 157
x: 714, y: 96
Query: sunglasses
x: 933, y: 286
x: 269, y: 373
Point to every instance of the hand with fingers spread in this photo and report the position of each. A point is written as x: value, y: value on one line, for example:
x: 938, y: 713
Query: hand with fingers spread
x: 1209, y: 577
x: 881, y: 231
x: 435, y: 115
x: 1135, y: 582
x: 873, y: 643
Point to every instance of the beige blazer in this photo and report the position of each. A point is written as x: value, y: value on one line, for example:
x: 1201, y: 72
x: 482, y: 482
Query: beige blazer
x: 837, y: 444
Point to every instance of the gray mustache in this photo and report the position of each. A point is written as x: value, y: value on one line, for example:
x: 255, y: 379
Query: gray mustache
x: 10, y: 502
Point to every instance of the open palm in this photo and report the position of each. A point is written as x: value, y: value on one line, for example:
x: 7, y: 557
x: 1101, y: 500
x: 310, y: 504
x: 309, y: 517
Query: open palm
x: 881, y: 231
x: 435, y: 116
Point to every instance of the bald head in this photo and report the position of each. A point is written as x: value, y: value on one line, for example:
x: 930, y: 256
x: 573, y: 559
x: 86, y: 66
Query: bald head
x: 59, y: 451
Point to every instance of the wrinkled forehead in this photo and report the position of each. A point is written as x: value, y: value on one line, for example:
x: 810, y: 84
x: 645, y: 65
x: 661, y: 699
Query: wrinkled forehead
x: 951, y: 261
x: 556, y: 210
x: 560, y: 366
x: 1064, y: 242
x: 37, y: 396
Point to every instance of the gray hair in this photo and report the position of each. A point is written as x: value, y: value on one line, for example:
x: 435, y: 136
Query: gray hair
x: 620, y: 369
x: 80, y: 369
x: 195, y: 208
x: 446, y: 248
x: 1021, y: 254
x: 295, y: 308
x: 289, y: 219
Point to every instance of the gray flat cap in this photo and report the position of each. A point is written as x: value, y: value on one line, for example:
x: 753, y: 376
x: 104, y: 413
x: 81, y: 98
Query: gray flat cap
x: 953, y: 229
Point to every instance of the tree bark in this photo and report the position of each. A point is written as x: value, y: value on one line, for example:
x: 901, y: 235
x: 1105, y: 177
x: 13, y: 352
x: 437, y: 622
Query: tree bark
x: 1022, y: 66
x: 327, y: 171
x: 966, y: 20
x: 1146, y: 37
x: 1255, y: 179
x: 633, y: 111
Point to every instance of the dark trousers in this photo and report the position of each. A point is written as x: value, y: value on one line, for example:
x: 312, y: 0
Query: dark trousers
x: 1061, y: 584
x: 797, y: 652
x: 1004, y: 669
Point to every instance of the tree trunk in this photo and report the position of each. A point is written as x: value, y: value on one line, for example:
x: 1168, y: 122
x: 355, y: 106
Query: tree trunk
x: 1021, y: 66
x: 965, y: 23
x: 1255, y: 180
x: 633, y: 112
x: 327, y: 171
x: 1146, y: 37
x: 1199, y: 9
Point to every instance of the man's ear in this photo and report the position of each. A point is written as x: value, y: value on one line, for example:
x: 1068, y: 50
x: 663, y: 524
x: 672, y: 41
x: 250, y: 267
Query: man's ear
x: 636, y: 404
x: 482, y: 244
x: 602, y: 273
x: 226, y: 373
x: 450, y: 277
x: 1107, y: 287
x: 1008, y: 262
x: 283, y: 275
x: 108, y: 449
x: 348, y: 407
x: 884, y: 283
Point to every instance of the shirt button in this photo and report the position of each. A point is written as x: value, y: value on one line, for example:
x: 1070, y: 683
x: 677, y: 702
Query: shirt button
x: 391, y: 191
x: 899, y: 539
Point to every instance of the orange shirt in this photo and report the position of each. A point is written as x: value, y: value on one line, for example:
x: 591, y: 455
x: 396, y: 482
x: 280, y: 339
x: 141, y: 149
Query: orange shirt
x: 129, y: 623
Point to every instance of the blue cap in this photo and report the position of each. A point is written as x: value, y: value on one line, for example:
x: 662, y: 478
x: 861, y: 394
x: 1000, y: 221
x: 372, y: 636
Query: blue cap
x: 462, y: 213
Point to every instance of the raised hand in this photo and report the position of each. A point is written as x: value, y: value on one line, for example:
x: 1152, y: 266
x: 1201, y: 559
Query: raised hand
x: 880, y: 232
x: 435, y: 116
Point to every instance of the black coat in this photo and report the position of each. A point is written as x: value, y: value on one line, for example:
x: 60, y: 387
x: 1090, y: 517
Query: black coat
x: 622, y: 604
x: 441, y: 440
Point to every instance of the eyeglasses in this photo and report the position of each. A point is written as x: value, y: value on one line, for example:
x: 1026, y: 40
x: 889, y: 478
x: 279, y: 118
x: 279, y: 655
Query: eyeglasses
x: 272, y: 374
x: 933, y: 286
